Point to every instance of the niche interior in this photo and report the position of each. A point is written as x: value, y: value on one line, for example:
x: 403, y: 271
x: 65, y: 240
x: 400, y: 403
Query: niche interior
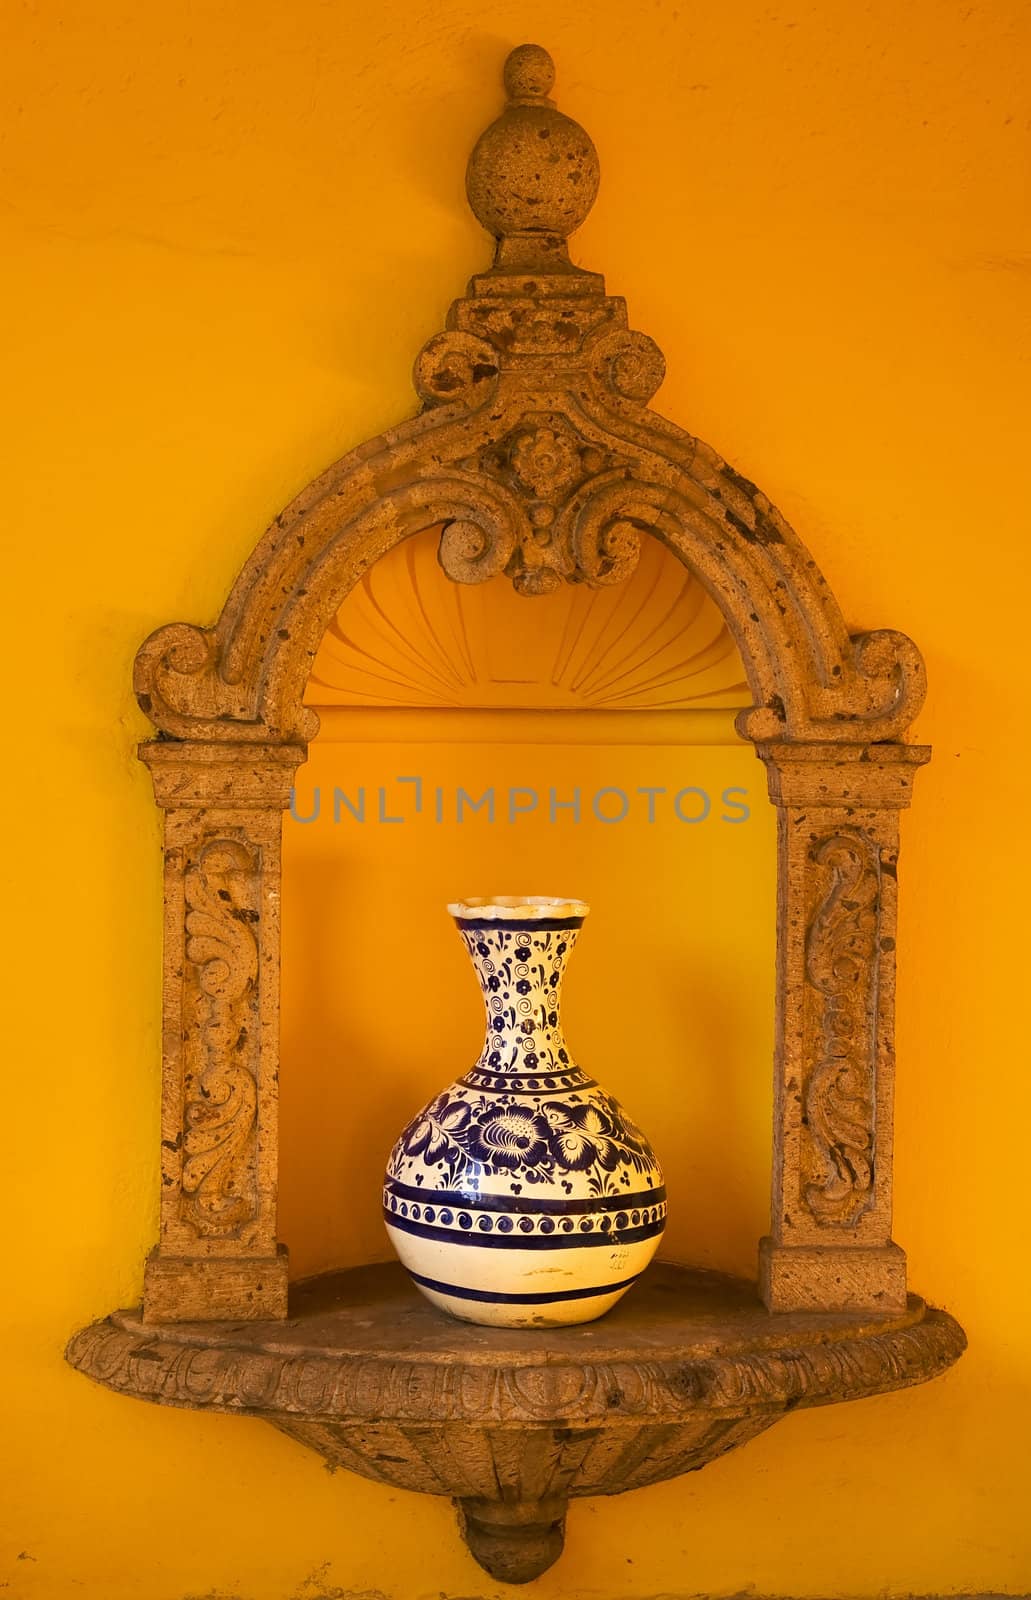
x: 535, y: 459
x: 468, y: 736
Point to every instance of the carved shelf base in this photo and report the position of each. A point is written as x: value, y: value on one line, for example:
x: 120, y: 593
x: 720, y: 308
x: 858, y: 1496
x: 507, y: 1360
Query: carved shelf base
x: 511, y: 1424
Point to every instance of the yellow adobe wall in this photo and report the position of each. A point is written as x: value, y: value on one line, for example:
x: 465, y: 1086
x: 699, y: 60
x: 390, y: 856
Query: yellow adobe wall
x: 228, y: 227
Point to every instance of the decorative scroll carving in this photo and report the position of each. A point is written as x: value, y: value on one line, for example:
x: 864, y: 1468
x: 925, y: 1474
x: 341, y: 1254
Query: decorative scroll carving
x: 841, y: 964
x: 569, y: 534
x: 179, y: 665
x: 456, y: 366
x: 627, y: 364
x: 220, y: 1096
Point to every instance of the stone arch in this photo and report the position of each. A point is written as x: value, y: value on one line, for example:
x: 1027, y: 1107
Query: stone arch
x: 459, y: 465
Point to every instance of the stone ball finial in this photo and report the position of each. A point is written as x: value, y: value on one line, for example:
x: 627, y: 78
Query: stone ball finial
x: 533, y: 171
x: 529, y: 73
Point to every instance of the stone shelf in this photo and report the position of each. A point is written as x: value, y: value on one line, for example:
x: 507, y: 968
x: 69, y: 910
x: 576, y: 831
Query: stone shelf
x: 511, y: 1423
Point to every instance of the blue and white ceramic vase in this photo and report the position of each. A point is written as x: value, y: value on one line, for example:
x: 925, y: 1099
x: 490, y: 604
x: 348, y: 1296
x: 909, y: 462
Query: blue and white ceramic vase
x: 523, y: 1196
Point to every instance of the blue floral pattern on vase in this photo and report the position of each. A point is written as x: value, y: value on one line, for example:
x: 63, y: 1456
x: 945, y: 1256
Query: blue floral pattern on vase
x: 523, y: 1194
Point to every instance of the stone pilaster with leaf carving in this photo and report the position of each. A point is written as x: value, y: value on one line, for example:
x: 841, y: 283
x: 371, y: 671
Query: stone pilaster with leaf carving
x: 217, y: 1254
x: 830, y: 1246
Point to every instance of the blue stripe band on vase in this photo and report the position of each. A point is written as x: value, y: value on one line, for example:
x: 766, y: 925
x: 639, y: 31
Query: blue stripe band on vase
x: 505, y: 925
x: 486, y: 1297
x: 642, y: 1200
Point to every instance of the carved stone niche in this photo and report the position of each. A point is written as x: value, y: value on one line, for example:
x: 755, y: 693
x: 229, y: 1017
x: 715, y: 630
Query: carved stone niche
x: 537, y: 455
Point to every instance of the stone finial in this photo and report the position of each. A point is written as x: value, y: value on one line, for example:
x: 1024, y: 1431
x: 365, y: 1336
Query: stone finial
x: 533, y: 175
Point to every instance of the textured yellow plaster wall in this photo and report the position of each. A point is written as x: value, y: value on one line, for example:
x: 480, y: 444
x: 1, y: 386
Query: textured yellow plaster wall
x: 227, y: 228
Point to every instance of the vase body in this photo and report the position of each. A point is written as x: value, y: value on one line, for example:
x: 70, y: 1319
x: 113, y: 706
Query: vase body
x: 523, y: 1196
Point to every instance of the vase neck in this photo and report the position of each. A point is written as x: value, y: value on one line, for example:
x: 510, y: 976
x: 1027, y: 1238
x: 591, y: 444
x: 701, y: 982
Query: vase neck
x: 520, y: 967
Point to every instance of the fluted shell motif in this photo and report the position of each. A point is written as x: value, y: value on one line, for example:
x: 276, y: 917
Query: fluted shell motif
x: 523, y: 1196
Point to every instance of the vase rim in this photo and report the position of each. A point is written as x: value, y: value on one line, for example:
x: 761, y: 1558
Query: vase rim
x: 517, y: 908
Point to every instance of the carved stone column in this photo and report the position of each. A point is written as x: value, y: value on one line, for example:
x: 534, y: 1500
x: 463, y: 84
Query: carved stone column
x: 830, y: 1247
x: 217, y: 1257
